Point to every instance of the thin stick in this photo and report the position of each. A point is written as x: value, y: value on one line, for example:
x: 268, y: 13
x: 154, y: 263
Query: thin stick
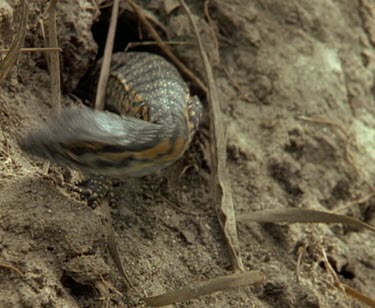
x: 221, y: 188
x: 11, y: 267
x: 237, y: 87
x: 54, y: 57
x: 345, y: 288
x: 45, y: 42
x: 104, y: 71
x: 105, y: 214
x: 354, y: 202
x: 358, y: 295
x: 301, y: 253
x: 340, y: 127
x: 34, y: 49
x: 54, y: 65
x: 179, y: 209
x: 11, y: 58
x: 165, y: 47
x: 103, y: 209
x: 348, y: 139
x: 152, y: 43
x: 103, y: 6
x: 212, y: 30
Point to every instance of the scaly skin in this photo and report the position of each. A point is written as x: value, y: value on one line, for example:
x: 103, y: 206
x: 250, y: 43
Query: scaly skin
x: 149, y: 122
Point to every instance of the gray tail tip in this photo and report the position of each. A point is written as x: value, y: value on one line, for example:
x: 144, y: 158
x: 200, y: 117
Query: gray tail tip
x: 24, y: 144
x: 27, y: 143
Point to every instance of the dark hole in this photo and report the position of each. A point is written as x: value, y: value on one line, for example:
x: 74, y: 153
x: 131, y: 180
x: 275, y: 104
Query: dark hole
x: 274, y: 293
x: 128, y: 31
x: 50, y: 248
x: 286, y: 178
x: 346, y: 273
x: 77, y: 289
x: 273, y: 289
x: 368, y: 212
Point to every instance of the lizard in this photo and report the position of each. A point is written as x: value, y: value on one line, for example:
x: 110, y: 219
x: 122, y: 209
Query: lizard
x: 148, y: 123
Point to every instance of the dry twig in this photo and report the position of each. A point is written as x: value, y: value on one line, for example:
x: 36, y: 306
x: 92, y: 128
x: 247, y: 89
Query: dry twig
x: 53, y: 64
x: 301, y: 252
x: 54, y: 57
x: 348, y: 138
x: 35, y: 49
x: 11, y: 58
x: 354, y: 202
x: 350, y: 142
x: 152, y: 43
x: 104, y: 71
x: 179, y: 209
x: 237, y: 87
x: 11, y: 267
x: 221, y: 187
x: 103, y: 209
x: 104, y: 212
x: 344, y: 287
x: 211, y: 27
x: 165, y: 47
x: 45, y: 41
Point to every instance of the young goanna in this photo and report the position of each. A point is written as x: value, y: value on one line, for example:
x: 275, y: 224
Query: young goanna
x: 149, y: 121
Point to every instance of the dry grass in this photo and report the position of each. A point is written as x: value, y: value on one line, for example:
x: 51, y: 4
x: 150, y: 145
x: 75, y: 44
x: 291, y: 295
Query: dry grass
x: 11, y: 57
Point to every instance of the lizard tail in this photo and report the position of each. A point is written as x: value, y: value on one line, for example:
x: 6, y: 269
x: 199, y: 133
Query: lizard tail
x: 104, y: 143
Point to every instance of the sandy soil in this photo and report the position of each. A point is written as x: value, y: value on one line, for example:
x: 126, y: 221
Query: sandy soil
x: 291, y: 59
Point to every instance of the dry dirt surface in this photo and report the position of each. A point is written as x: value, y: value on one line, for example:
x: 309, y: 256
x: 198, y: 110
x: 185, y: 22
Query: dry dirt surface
x: 297, y: 87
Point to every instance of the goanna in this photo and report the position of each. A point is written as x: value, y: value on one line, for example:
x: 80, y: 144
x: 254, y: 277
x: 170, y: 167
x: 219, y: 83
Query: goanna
x: 148, y: 123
